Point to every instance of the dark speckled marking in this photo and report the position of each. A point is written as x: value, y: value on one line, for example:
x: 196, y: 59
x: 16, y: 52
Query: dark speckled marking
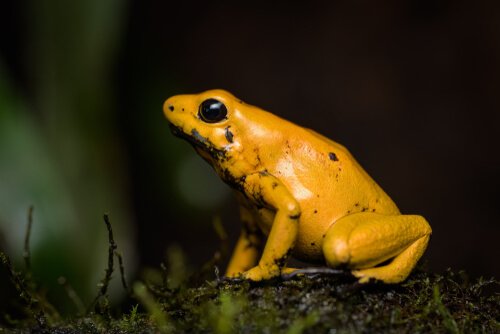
x: 333, y: 156
x: 297, y: 216
x: 274, y: 185
x: 229, y: 135
x: 313, y: 244
x: 280, y: 262
x: 196, y: 135
x: 356, y: 204
x: 171, y: 108
x: 315, y: 211
x: 198, y: 141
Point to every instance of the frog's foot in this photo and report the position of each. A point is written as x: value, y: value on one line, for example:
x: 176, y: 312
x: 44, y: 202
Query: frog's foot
x: 288, y: 270
x: 260, y: 273
x: 399, y: 268
x: 285, y: 272
x: 364, y: 240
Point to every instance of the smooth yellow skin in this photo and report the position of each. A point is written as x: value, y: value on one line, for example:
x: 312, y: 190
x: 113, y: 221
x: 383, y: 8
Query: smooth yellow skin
x: 304, y: 192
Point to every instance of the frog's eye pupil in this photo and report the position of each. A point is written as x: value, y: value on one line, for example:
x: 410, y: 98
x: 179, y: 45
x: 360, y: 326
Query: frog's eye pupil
x: 212, y: 111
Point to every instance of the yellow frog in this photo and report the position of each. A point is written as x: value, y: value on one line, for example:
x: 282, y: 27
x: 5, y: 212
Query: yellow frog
x: 301, y: 190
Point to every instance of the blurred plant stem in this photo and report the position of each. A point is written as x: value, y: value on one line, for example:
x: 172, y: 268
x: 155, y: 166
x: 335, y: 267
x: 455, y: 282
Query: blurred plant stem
x: 62, y: 151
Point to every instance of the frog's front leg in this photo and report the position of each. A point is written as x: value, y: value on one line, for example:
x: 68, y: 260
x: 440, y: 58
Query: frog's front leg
x: 362, y: 241
x: 266, y: 190
x: 247, y: 248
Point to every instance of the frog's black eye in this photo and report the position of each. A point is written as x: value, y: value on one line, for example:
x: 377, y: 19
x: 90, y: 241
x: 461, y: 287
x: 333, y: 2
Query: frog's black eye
x: 212, y: 111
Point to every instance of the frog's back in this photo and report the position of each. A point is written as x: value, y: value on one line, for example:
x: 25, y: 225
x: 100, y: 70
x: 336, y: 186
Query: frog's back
x: 326, y: 179
x: 328, y: 183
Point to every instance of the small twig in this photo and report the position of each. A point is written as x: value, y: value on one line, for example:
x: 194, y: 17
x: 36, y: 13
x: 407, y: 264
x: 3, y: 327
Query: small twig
x: 72, y: 295
x: 27, y: 253
x: 313, y: 271
x: 18, y: 281
x: 285, y: 277
x: 122, y: 270
x: 109, y: 270
x: 111, y: 253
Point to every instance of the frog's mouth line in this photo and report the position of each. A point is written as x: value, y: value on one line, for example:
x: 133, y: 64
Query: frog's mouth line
x: 197, y: 140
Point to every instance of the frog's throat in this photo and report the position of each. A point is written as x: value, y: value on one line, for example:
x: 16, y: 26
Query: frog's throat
x: 214, y: 156
x: 199, y: 142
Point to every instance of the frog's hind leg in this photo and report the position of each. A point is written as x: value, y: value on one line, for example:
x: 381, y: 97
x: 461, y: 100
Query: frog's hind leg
x: 364, y: 240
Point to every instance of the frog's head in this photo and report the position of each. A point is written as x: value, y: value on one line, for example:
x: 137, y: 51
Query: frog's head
x: 212, y: 121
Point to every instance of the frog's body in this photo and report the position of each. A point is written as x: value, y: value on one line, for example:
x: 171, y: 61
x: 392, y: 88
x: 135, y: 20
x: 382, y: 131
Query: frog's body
x: 303, y: 191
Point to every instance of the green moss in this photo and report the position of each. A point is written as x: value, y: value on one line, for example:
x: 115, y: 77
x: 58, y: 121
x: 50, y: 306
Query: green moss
x: 425, y: 303
x: 173, y: 300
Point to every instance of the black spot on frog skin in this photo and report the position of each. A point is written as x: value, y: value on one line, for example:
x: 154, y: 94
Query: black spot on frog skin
x: 280, y: 262
x: 229, y: 135
x: 274, y: 185
x: 263, y: 173
x: 333, y: 156
x: 356, y: 204
x: 315, y: 211
x: 297, y: 216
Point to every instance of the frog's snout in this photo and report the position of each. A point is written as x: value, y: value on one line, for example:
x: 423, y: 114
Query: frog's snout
x: 170, y: 109
x: 168, y: 106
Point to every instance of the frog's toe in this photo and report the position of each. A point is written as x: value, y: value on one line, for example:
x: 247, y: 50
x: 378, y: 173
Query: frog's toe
x: 259, y: 273
x: 361, y: 275
x: 387, y: 274
x: 254, y: 274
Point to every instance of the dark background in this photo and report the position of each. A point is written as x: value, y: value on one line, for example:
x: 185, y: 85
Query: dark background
x: 410, y: 87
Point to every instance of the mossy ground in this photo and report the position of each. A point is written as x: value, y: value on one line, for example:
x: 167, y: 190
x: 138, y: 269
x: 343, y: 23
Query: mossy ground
x: 425, y: 303
x: 170, y: 300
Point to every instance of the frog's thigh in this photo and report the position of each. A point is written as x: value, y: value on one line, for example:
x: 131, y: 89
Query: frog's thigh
x: 363, y: 240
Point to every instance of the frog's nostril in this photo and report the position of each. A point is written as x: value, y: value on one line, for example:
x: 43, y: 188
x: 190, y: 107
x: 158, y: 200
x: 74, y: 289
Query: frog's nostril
x: 170, y: 107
